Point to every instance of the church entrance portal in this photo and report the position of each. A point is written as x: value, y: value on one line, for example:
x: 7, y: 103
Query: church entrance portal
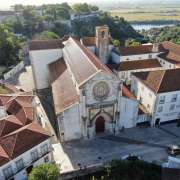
x: 100, y: 124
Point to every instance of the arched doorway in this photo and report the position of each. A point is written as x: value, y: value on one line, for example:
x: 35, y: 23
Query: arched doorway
x: 100, y: 124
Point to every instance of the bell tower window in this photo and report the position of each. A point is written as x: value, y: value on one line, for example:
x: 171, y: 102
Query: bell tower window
x: 102, y: 34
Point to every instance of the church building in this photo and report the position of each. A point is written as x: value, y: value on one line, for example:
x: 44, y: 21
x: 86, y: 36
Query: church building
x: 87, y: 95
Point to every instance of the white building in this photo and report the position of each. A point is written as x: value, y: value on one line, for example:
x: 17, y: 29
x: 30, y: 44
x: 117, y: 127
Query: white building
x: 126, y: 68
x: 134, y: 53
x: 24, y: 144
x: 159, y: 92
x: 41, y: 53
x: 170, y: 58
x: 173, y: 162
x: 86, y: 93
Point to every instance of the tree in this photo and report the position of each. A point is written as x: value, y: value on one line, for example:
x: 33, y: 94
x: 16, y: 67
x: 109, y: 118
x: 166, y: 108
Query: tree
x: 116, y: 43
x: 45, y: 172
x: 93, y: 8
x: 9, y: 47
x: 132, y: 42
x: 81, y: 8
x: 46, y: 35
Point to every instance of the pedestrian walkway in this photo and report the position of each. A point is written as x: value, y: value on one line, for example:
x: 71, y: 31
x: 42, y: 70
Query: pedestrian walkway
x: 169, y: 132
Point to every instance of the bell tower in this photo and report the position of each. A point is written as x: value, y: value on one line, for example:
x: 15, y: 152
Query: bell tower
x: 102, y: 43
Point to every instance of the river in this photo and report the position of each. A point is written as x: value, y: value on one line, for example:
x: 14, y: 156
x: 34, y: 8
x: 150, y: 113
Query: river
x: 140, y: 27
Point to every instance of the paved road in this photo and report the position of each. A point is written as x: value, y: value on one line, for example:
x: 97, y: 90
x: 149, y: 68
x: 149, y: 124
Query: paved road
x: 132, y: 141
x: 148, y: 143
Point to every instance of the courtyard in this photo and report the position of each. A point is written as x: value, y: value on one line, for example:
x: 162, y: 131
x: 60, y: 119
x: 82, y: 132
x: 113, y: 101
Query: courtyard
x: 149, y: 144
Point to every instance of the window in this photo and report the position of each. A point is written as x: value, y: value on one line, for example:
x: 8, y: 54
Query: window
x: 46, y: 159
x: 160, y: 109
x: 172, y: 106
x: 102, y: 34
x: 148, y: 106
x: 174, y: 98
x: 162, y: 100
x: 44, y: 149
x: 150, y: 56
x: 34, y: 155
x: 8, y: 172
x: 20, y: 164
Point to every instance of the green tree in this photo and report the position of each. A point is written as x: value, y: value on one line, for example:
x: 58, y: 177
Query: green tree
x: 93, y: 8
x: 116, y: 43
x: 81, y: 8
x: 45, y: 172
x: 132, y: 42
x: 46, y: 35
x: 9, y: 47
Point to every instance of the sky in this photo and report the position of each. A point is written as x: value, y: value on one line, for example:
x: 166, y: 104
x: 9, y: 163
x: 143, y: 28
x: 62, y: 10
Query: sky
x: 8, y: 3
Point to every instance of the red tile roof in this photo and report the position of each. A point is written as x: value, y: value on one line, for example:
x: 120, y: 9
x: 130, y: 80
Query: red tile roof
x: 82, y: 62
x: 9, y: 124
x: 135, y: 50
x: 45, y: 44
x: 139, y: 64
x: 89, y: 41
x: 160, y: 81
x: 23, y: 139
x: 18, y: 131
x: 172, y: 52
x: 127, y: 93
x: 63, y: 88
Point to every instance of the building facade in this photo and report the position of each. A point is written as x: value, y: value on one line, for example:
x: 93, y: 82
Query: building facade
x: 159, y: 92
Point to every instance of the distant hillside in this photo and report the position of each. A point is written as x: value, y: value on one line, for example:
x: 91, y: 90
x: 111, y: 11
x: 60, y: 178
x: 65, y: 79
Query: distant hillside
x: 166, y: 34
x: 119, y: 28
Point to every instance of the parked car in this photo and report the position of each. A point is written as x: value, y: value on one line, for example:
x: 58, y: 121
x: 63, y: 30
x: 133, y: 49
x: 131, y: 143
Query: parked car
x: 131, y: 157
x: 173, y: 150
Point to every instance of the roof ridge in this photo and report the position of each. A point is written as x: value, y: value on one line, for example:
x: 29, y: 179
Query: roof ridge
x: 14, y: 144
x: 164, y: 71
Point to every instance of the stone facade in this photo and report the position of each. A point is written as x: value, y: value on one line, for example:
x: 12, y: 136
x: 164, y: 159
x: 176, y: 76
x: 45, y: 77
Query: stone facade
x: 102, y: 43
x: 81, y: 120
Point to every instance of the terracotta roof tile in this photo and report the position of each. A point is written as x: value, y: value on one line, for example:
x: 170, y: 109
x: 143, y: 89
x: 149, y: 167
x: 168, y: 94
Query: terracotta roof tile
x: 127, y: 93
x: 89, y: 41
x: 161, y: 81
x: 139, y: 64
x: 9, y: 124
x: 83, y: 63
x: 45, y: 44
x: 135, y: 50
x: 23, y: 139
x: 4, y: 158
x: 63, y: 88
x: 172, y: 52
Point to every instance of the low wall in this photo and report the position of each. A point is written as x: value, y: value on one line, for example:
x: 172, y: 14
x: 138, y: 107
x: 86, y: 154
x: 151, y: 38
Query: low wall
x: 14, y: 71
